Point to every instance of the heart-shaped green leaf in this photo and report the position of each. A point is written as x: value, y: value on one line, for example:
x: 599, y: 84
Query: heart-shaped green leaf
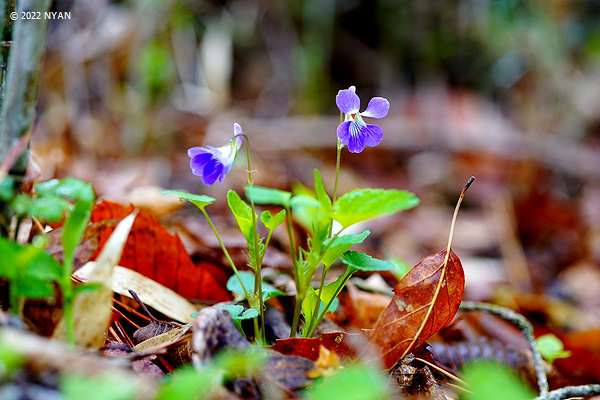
x: 364, y: 262
x: 265, y: 195
x: 199, y: 200
x: 233, y: 285
x: 363, y: 204
x: 340, y: 244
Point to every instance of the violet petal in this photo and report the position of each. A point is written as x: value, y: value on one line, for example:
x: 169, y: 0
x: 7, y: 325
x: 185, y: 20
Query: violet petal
x: 378, y: 108
x: 237, y: 129
x: 347, y: 101
x: 372, y: 135
x: 355, y: 144
x: 343, y: 131
x: 193, y: 151
x: 211, y: 171
x: 198, y: 162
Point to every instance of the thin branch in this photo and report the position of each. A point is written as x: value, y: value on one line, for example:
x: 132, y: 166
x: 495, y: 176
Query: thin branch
x: 525, y: 327
x: 570, y: 391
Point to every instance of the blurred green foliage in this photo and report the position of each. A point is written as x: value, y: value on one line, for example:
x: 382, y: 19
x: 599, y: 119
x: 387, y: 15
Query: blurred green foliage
x: 493, y: 381
x: 294, y: 56
x: 75, y: 387
x: 535, y: 58
x: 357, y: 382
x: 551, y: 348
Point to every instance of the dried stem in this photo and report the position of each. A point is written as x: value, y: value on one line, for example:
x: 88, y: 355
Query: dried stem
x: 525, y: 327
x: 444, y: 268
x: 568, y: 392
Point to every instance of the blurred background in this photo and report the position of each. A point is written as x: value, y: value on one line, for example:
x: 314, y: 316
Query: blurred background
x: 505, y: 90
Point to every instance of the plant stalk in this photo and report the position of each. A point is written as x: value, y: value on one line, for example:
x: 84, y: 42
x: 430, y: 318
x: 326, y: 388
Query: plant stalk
x: 296, y: 269
x: 313, y: 321
x: 224, y: 249
x: 322, y: 314
x: 337, y: 170
x: 257, y: 259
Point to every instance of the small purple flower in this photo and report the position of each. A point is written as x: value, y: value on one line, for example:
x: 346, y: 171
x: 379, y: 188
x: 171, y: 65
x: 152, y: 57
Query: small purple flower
x: 354, y: 132
x: 212, y: 163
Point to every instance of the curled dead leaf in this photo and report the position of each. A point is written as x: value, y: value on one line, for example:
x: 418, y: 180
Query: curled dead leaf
x: 92, y: 310
x: 424, y: 301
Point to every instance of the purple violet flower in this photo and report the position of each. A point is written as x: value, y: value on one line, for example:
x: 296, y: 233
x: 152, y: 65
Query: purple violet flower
x: 354, y: 132
x: 212, y: 163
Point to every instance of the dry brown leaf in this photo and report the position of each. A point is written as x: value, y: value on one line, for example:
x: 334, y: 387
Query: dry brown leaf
x: 92, y: 310
x: 154, y: 294
x: 425, y: 301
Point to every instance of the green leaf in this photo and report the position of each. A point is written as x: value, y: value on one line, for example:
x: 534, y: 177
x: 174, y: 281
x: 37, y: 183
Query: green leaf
x: 199, y: 200
x: 86, y: 287
x: 310, y: 301
x: 74, y: 228
x: 265, y: 195
x: 363, y: 204
x: 322, y: 222
x: 249, y: 314
x: 356, y: 382
x: 236, y: 363
x: 29, y: 269
x: 186, y: 383
x: 237, y: 311
x: 47, y: 188
x: 242, y: 213
x: 114, y: 387
x: 75, y: 189
x: 69, y: 187
x: 321, y: 193
x: 305, y: 210
x: 551, y: 348
x: 10, y: 360
x: 51, y: 208
x: 493, y: 381
x: 155, y: 67
x: 233, y: 285
x: 339, y: 245
x: 7, y: 188
x: 364, y: 262
x: 298, y: 189
x: 401, y: 268
x: 272, y: 222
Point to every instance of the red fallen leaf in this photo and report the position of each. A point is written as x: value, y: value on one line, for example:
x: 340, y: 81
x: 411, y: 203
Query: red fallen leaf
x: 342, y: 343
x: 424, y: 301
x: 152, y: 251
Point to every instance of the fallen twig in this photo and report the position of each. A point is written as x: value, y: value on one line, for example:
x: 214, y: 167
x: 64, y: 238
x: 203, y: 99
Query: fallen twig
x: 570, y: 391
x: 525, y: 327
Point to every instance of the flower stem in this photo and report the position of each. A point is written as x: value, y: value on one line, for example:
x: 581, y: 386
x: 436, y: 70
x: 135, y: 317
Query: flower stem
x: 69, y: 320
x: 257, y: 259
x: 231, y: 263
x: 337, y: 169
x: 313, y: 320
x: 297, y: 309
x: 296, y: 269
x: 314, y: 323
x: 322, y: 314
